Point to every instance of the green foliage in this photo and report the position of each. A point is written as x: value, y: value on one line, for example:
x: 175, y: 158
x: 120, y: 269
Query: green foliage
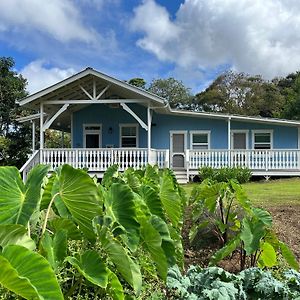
x: 111, y: 223
x: 215, y: 283
x: 225, y: 209
x: 14, y: 137
x: 239, y: 174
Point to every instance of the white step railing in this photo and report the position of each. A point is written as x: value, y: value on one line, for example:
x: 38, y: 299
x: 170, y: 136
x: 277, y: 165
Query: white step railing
x: 33, y: 160
x: 252, y: 159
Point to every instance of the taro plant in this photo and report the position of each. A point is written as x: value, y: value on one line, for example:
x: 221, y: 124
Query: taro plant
x: 136, y: 212
x: 241, y: 228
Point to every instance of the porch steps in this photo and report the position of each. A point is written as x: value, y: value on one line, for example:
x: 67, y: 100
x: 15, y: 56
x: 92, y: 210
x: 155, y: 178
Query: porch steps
x: 181, y: 176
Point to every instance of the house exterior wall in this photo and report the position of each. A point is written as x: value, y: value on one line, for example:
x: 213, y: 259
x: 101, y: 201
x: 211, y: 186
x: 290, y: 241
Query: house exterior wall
x: 284, y: 137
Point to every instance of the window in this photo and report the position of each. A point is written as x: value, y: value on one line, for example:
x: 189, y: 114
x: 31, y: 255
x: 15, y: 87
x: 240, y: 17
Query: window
x: 200, y: 140
x: 91, y: 135
x: 129, y: 135
x: 262, y: 139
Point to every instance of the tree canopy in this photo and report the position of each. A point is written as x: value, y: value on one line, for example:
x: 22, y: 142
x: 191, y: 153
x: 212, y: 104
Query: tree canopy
x: 14, y: 138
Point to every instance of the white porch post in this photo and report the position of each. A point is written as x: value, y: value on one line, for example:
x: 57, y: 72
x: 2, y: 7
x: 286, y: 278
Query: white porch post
x: 229, y: 140
x: 149, y: 119
x: 33, y: 135
x: 41, y: 125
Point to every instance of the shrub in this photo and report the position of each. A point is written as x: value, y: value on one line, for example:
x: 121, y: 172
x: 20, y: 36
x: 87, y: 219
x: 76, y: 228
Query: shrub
x: 239, y: 174
x: 215, y: 283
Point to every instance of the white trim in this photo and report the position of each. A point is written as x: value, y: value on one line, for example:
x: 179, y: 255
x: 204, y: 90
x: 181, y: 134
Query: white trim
x: 100, y: 101
x: 102, y: 92
x: 171, y: 132
x: 95, y: 132
x: 29, y: 118
x: 132, y: 113
x: 192, y: 132
x: 228, y: 133
x: 86, y: 92
x: 240, y: 131
x: 121, y: 125
x: 41, y: 125
x: 90, y: 71
x: 271, y: 131
x: 53, y: 117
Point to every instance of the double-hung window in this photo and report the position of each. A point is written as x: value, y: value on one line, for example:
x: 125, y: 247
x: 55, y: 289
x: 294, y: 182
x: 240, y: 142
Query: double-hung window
x: 200, y: 140
x: 262, y: 139
x: 129, y: 135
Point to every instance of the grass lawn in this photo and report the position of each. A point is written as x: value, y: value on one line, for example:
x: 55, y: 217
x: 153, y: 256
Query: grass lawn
x: 269, y: 193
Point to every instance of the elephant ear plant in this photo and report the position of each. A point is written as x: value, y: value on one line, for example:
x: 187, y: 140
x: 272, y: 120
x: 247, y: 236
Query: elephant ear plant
x: 111, y: 224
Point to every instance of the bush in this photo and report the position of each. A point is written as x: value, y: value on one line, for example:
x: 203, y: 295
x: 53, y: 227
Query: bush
x: 241, y: 175
x: 215, y: 283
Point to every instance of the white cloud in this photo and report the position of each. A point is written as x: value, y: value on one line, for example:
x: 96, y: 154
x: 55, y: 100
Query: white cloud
x: 40, y: 77
x: 254, y: 36
x: 60, y: 19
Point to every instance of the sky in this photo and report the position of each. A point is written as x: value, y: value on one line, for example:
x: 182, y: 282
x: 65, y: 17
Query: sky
x: 192, y: 40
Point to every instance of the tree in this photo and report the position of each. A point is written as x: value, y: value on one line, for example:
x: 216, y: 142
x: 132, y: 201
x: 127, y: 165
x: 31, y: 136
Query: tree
x: 172, y: 90
x: 239, y: 93
x: 15, y: 138
x: 139, y: 82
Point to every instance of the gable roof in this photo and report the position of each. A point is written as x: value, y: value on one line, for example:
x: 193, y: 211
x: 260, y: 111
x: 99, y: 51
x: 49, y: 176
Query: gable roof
x: 78, y: 77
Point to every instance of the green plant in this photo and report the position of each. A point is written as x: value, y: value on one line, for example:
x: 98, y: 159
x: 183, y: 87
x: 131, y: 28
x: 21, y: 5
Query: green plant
x: 238, y: 224
x: 225, y: 174
x: 215, y: 283
x: 84, y: 235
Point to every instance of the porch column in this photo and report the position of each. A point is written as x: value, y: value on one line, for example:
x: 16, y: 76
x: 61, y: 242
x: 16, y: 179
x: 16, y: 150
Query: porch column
x: 149, y: 119
x: 229, y: 140
x: 33, y: 135
x: 229, y: 132
x: 41, y: 125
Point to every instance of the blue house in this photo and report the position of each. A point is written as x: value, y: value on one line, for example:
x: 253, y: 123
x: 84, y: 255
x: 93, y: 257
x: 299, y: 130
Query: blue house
x: 113, y: 122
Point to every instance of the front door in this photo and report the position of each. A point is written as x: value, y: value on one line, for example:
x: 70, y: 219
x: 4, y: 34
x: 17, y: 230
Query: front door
x: 239, y: 140
x: 92, y: 136
x: 177, y: 151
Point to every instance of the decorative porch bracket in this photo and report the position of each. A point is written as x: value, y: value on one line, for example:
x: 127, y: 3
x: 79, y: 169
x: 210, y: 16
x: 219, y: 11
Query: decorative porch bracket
x: 128, y: 109
x: 53, y: 118
x: 95, y: 96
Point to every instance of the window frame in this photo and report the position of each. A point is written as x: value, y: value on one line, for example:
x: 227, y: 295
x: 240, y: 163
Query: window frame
x: 93, y: 132
x: 207, y: 132
x: 124, y: 125
x: 269, y: 131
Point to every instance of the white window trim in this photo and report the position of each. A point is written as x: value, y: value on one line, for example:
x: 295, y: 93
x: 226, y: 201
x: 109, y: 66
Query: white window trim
x: 86, y: 131
x: 239, y: 131
x: 129, y: 125
x: 263, y: 131
x: 192, y: 132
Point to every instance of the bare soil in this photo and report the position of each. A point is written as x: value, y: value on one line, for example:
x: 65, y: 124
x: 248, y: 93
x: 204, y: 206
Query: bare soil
x: 286, y: 221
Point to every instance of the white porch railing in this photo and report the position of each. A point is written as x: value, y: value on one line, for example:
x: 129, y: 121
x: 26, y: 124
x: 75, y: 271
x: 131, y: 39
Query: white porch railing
x: 33, y: 160
x: 253, y: 159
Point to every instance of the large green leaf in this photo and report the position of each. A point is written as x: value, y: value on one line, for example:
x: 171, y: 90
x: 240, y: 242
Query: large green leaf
x: 66, y: 224
x: 109, y: 175
x: 119, y: 204
x: 79, y: 194
x: 91, y: 266
x: 124, y: 263
x: 251, y: 234
x: 268, y: 255
x: 47, y: 194
x: 115, y: 288
x: 28, y: 274
x: 288, y: 256
x: 153, y: 243
x: 15, y: 234
x: 152, y: 199
x: 54, y: 248
x: 170, y: 199
x: 225, y: 251
x: 18, y: 201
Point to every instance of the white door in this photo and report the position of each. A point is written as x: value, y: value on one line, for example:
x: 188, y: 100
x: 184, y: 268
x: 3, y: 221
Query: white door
x: 177, y: 149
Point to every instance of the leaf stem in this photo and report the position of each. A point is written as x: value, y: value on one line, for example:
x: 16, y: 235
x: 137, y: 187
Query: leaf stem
x: 47, y: 214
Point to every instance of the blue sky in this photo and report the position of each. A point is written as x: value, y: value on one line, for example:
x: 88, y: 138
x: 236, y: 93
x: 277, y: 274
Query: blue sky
x: 191, y: 40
